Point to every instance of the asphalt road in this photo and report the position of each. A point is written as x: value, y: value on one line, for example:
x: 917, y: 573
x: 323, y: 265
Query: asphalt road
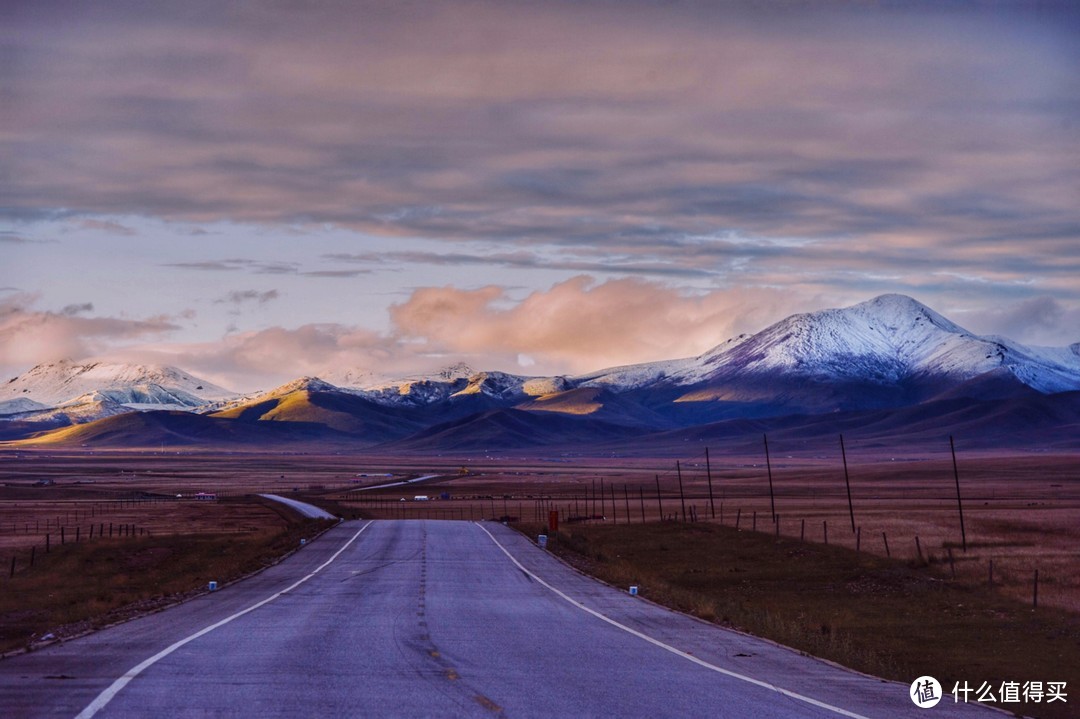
x: 433, y: 618
x: 403, y: 483
x: 308, y: 510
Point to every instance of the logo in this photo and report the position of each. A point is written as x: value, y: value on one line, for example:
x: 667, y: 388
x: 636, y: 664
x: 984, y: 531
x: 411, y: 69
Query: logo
x: 925, y: 692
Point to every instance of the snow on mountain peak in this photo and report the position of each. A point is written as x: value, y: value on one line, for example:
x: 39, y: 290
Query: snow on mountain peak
x: 886, y: 340
x: 303, y: 384
x: 56, y: 383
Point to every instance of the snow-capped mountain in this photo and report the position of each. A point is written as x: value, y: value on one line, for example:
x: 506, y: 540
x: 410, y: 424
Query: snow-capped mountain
x: 19, y: 405
x: 303, y: 384
x: 80, y: 410
x: 888, y: 353
x: 132, y: 385
x: 888, y: 341
x: 458, y: 382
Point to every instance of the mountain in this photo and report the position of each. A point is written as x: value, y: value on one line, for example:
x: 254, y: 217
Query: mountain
x: 1036, y: 423
x: 808, y: 373
x: 507, y: 429
x: 77, y: 411
x: 890, y: 351
x: 19, y: 405
x: 170, y: 429
x: 364, y: 379
x: 132, y: 385
x: 317, y: 405
x: 453, y: 385
x: 889, y: 340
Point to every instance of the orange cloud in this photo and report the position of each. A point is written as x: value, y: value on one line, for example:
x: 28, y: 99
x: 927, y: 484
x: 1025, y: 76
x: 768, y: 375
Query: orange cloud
x: 580, y: 326
x: 29, y: 336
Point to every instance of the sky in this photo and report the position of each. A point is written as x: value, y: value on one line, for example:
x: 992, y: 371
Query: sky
x: 256, y: 191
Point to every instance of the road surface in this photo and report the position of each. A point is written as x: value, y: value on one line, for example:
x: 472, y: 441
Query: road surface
x: 433, y: 618
x: 308, y: 510
x: 402, y: 483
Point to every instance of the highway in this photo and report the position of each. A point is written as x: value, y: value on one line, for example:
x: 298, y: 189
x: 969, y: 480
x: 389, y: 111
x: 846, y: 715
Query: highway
x: 433, y: 618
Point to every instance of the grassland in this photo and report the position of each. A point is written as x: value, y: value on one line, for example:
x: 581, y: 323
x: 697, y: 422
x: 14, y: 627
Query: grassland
x: 76, y: 587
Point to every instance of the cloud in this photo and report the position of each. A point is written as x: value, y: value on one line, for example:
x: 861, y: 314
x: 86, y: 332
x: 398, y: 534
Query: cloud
x: 1037, y: 320
x: 254, y: 360
x: 29, y: 336
x: 839, y: 124
x: 258, y: 267
x: 624, y: 265
x: 580, y: 325
x: 208, y: 265
x: 239, y: 297
x: 114, y: 228
x: 15, y: 238
x: 576, y: 326
x: 341, y: 274
x: 73, y: 310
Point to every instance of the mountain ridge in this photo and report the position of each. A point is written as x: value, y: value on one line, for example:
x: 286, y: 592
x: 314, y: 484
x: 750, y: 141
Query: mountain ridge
x: 887, y: 353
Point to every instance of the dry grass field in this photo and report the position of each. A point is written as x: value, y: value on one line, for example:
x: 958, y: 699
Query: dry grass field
x: 1022, y: 513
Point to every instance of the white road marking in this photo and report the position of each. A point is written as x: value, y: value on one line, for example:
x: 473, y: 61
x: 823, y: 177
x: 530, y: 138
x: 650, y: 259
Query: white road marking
x: 106, y: 696
x: 673, y: 650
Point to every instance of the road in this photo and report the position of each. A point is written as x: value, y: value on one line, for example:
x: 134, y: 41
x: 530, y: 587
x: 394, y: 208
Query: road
x: 432, y: 618
x: 402, y: 483
x: 308, y: 510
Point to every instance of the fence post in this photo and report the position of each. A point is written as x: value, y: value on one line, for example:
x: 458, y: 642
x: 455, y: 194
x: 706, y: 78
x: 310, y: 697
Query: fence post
x: 682, y: 497
x: 886, y: 540
x: 708, y: 472
x: 847, y: 483
x: 659, y: 502
x: 959, y: 504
